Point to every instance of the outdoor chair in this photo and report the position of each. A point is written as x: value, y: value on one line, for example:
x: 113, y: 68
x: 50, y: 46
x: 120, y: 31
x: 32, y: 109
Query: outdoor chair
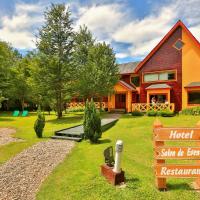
x: 25, y: 113
x: 16, y: 113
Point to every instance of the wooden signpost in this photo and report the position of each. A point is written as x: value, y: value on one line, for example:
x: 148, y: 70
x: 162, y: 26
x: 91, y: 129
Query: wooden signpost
x: 162, y: 153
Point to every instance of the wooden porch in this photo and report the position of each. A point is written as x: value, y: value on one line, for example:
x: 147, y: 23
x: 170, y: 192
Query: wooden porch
x: 144, y: 107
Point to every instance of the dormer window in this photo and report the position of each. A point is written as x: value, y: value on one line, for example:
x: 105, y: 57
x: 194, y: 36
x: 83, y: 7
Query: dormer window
x: 178, y: 44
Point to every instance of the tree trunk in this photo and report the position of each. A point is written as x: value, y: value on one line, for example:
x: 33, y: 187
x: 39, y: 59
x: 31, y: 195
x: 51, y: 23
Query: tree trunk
x: 22, y: 104
x: 59, y: 105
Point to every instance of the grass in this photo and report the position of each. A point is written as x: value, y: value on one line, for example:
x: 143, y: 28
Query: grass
x: 25, y: 131
x: 78, y: 177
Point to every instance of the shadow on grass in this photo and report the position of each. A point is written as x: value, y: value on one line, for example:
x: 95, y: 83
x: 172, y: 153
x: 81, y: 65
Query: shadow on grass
x: 108, y: 126
x: 104, y: 141
x: 179, y: 186
x: 64, y: 120
x: 6, y: 119
x: 132, y: 183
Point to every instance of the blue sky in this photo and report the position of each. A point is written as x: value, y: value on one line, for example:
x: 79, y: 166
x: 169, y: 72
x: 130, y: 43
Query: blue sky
x: 132, y: 27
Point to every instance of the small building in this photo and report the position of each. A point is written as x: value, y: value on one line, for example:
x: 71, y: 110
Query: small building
x: 167, y: 78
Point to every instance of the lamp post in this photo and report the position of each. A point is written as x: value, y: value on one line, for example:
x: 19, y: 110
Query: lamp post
x: 118, y: 155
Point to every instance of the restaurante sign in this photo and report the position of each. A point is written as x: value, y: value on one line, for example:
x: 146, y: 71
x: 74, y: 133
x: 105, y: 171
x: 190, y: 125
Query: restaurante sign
x: 162, y: 153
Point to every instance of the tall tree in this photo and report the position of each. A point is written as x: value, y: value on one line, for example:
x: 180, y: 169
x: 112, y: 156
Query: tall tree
x: 20, y: 88
x: 100, y: 73
x: 55, y: 41
x: 83, y: 41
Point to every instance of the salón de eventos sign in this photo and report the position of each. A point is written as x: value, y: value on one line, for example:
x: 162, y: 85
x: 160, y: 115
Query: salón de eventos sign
x: 162, y: 152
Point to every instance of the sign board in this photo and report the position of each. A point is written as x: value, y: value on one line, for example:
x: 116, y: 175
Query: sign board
x: 170, y: 134
x: 178, y: 171
x: 164, y: 152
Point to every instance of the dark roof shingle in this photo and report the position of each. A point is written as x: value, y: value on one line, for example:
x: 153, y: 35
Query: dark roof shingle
x: 127, y: 68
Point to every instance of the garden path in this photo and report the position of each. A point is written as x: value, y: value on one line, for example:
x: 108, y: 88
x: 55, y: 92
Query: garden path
x: 6, y: 136
x: 22, y: 175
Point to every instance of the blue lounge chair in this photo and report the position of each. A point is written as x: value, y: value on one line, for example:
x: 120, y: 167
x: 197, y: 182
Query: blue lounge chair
x: 16, y: 113
x: 25, y: 113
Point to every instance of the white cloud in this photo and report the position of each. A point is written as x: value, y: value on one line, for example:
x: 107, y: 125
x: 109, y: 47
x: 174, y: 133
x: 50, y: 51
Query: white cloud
x: 103, y: 20
x: 19, y: 28
x: 121, y: 55
x: 110, y: 22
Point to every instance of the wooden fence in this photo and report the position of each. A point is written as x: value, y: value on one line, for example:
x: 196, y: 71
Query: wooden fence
x: 144, y: 107
x: 82, y: 105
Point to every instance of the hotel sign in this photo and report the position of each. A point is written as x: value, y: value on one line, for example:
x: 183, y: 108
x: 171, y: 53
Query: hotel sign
x: 170, y: 134
x: 178, y: 171
x: 192, y: 153
x: 162, y: 153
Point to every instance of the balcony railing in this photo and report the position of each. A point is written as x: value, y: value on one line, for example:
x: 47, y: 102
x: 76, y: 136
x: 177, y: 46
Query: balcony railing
x: 82, y: 105
x: 144, y: 107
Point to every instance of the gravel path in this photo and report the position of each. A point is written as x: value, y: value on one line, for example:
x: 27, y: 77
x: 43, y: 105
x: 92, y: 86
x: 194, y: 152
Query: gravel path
x: 21, y: 176
x: 6, y: 136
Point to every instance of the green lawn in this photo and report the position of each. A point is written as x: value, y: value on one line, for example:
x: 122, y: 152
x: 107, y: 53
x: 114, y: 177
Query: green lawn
x: 78, y: 177
x: 24, y: 127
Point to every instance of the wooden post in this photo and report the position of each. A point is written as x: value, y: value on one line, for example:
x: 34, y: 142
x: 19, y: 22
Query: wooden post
x: 198, y: 161
x: 160, y: 182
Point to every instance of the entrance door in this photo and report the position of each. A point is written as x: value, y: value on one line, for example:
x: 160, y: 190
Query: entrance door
x: 120, y: 101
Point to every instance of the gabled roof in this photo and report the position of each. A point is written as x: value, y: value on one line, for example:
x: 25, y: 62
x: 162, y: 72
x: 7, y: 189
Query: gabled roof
x: 127, y: 68
x: 158, y: 86
x: 193, y: 84
x: 126, y: 85
x: 178, y: 24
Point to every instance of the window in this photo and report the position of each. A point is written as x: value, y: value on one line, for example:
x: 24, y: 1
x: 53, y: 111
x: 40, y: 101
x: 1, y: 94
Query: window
x: 135, y: 80
x: 150, y: 77
x: 178, y: 44
x: 194, y: 97
x: 160, y: 76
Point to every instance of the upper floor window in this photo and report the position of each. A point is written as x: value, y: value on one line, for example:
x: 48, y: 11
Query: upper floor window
x: 160, y: 76
x: 135, y: 80
x: 178, y: 44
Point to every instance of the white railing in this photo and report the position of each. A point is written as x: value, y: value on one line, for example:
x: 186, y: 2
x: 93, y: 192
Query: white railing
x: 144, y: 107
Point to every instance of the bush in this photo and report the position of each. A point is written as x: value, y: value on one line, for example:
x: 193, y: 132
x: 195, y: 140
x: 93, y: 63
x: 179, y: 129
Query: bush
x: 136, y: 113
x: 166, y: 113
x: 191, y: 111
x: 76, y: 109
x: 152, y: 113
x: 39, y: 124
x: 92, y: 122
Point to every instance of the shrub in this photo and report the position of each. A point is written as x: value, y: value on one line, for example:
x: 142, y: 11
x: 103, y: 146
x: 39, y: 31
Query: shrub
x: 76, y: 109
x: 191, y: 111
x: 92, y: 122
x: 152, y: 113
x: 39, y: 124
x: 166, y: 113
x: 136, y: 113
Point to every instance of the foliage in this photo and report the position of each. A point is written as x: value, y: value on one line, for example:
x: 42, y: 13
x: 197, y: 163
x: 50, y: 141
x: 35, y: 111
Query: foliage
x: 76, y: 109
x: 166, y: 113
x: 96, y: 64
x: 136, y: 113
x: 163, y: 113
x: 92, y: 122
x: 191, y: 111
x: 152, y: 113
x: 39, y: 124
x: 55, y: 44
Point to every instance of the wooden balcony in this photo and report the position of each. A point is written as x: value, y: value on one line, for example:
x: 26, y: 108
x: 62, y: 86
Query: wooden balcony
x: 144, y: 107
